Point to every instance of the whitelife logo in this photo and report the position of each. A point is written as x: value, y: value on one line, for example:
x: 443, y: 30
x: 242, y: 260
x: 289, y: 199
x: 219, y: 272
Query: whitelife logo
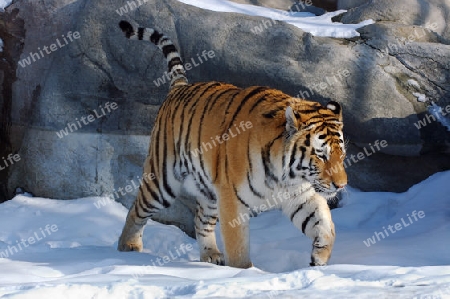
x: 37, y: 236
x: 394, y: 228
x: 222, y: 138
x: 48, y: 50
x: 87, y: 120
x: 11, y: 159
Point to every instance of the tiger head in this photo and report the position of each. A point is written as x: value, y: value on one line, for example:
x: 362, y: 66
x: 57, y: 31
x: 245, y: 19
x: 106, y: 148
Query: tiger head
x: 315, y: 145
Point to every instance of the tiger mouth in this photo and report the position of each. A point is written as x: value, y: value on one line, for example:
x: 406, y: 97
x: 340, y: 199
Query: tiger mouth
x: 328, y: 195
x: 321, y: 190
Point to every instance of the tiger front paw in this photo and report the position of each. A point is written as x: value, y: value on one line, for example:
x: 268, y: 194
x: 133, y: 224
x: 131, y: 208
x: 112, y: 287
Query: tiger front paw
x: 130, y: 245
x: 213, y: 257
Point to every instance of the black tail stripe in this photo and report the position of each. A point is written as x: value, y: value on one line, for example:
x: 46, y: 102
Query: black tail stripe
x: 154, y: 38
x: 126, y: 28
x: 163, y: 39
x: 169, y: 49
x: 140, y: 33
x: 173, y: 62
x: 305, y: 222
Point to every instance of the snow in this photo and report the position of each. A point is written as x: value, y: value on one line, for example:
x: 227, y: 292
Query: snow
x: 420, y: 97
x: 316, y: 25
x: 71, y: 252
x: 413, y: 83
x: 4, y: 3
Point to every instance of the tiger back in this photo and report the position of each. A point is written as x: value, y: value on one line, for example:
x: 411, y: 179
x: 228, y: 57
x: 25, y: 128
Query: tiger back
x: 233, y: 151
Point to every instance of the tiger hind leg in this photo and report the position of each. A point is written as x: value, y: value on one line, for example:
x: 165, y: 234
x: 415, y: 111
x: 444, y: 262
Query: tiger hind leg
x: 180, y: 213
x: 131, y: 237
x: 313, y: 217
x: 140, y: 211
x: 205, y: 224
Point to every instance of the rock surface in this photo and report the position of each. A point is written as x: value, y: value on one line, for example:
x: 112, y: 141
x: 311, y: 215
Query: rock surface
x: 279, y: 4
x: 411, y: 12
x: 377, y: 77
x: 348, y: 4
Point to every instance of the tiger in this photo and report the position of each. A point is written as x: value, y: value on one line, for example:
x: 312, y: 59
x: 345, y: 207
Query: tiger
x: 281, y: 145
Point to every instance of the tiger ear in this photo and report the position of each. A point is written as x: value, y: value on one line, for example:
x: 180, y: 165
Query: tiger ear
x: 291, y: 122
x: 336, y: 108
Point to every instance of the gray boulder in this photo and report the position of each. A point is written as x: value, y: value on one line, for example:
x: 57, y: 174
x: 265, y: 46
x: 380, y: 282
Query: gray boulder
x: 410, y: 12
x: 279, y: 4
x: 59, y: 91
x: 348, y: 4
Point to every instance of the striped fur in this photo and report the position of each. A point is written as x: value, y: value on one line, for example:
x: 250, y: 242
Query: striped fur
x: 281, y: 144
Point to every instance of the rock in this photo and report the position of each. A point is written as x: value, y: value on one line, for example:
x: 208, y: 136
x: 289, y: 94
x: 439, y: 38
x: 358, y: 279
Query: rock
x: 317, y: 7
x: 12, y: 34
x: 312, y: 6
x: 305, y: 7
x: 328, y: 5
x: 279, y: 4
x: 378, y: 88
x: 411, y: 12
x: 383, y: 172
x: 348, y: 4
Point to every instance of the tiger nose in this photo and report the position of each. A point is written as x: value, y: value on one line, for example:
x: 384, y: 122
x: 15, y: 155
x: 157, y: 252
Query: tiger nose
x: 339, y: 185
